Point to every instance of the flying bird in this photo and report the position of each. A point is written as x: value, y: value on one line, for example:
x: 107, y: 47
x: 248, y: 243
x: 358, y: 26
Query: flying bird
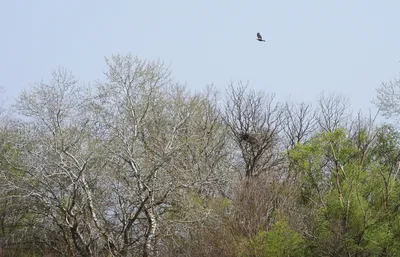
x: 259, y: 37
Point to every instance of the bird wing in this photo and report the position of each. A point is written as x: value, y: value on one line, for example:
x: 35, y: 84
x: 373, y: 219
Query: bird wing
x: 259, y: 36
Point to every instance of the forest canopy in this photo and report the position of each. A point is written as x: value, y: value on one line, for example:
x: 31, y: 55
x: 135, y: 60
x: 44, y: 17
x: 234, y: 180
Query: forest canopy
x: 136, y: 164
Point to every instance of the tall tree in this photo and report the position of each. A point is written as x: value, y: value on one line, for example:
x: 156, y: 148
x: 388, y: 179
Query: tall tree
x: 255, y: 122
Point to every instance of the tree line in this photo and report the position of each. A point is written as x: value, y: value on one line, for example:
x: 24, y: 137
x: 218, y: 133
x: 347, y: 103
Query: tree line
x: 136, y: 164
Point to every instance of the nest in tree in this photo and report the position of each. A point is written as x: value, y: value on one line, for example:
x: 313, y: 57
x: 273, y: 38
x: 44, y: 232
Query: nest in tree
x: 250, y: 138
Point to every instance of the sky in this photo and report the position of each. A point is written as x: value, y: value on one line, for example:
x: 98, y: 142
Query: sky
x: 312, y: 46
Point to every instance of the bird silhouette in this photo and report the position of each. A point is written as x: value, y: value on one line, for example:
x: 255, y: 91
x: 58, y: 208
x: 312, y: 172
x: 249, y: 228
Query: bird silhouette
x: 259, y: 37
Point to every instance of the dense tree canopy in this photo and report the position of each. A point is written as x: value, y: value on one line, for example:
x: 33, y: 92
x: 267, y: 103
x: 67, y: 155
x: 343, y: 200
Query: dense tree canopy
x: 136, y: 164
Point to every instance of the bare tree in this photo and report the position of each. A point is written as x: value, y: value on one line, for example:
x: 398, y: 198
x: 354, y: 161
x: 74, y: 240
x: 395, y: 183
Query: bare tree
x: 161, y: 142
x: 128, y: 112
x: 255, y: 122
x: 102, y: 168
x: 388, y: 99
x: 57, y: 159
x: 299, y: 123
x: 333, y: 111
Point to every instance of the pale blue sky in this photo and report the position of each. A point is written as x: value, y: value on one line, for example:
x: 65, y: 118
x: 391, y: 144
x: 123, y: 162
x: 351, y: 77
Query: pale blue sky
x: 312, y: 46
